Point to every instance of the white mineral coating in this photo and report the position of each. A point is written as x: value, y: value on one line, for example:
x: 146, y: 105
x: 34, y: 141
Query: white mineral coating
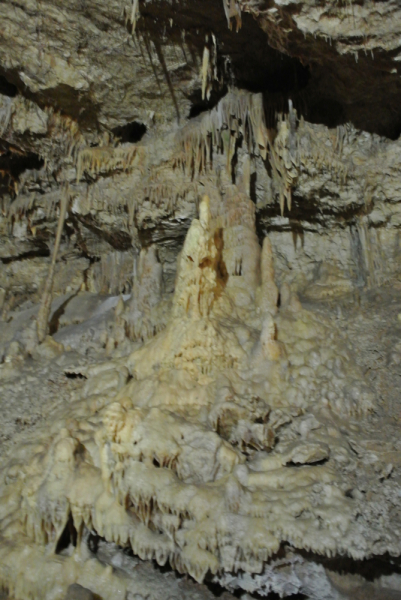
x: 197, y: 450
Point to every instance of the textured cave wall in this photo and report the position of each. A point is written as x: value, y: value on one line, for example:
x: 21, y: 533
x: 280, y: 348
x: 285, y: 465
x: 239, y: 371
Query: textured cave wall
x: 289, y: 122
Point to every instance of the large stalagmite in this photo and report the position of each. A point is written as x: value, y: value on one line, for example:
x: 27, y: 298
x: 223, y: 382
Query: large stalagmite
x: 173, y: 450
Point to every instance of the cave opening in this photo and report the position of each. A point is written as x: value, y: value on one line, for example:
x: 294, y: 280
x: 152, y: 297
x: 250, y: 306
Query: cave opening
x: 326, y: 111
x: 199, y: 105
x: 131, y: 133
x: 15, y: 162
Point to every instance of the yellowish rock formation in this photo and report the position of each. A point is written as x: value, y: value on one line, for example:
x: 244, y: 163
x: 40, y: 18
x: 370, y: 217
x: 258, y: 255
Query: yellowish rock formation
x: 173, y: 450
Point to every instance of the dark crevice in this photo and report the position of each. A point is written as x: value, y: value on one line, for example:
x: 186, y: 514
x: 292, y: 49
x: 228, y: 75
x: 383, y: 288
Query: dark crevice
x: 313, y: 107
x: 252, y: 186
x: 326, y: 111
x: 291, y: 78
x: 317, y: 463
x: 167, y: 568
x: 15, y: 162
x: 199, y: 105
x: 370, y: 569
x: 71, y: 375
x: 244, y: 59
x: 362, y: 89
x: 7, y: 88
x: 215, y: 588
x: 130, y: 133
x: 306, y: 210
x: 54, y: 321
x: 93, y: 540
x: 68, y: 537
x: 119, y: 240
x: 43, y: 251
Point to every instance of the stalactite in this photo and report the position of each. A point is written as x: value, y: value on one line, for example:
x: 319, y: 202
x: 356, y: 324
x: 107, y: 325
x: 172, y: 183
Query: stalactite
x: 210, y: 68
x: 134, y: 15
x: 67, y: 132
x: 241, y: 114
x: 238, y: 113
x: 205, y: 70
x: 20, y: 206
x: 313, y: 152
x: 105, y: 159
x: 232, y: 10
x: 45, y: 305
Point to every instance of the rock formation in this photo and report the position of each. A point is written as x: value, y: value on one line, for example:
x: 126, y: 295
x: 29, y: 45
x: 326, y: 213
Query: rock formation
x: 199, y: 298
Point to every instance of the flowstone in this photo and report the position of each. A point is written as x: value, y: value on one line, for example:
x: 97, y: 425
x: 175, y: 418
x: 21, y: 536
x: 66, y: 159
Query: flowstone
x: 226, y: 439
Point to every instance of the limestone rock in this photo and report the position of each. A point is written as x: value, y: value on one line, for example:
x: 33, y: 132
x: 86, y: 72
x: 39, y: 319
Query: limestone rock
x: 78, y: 592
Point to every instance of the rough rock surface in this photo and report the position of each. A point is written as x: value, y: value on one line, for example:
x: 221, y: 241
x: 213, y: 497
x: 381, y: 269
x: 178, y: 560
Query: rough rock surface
x: 215, y: 392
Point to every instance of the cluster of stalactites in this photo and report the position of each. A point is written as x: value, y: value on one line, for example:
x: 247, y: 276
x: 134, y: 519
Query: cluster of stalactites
x: 160, y: 193
x: 24, y: 204
x: 239, y: 113
x: 232, y: 11
x: 66, y: 130
x: 105, y: 158
x: 313, y: 152
x: 290, y: 147
x: 296, y: 147
x: 284, y: 164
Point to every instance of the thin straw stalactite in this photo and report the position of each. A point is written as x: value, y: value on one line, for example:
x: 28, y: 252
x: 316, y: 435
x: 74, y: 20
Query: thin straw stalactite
x: 46, y: 301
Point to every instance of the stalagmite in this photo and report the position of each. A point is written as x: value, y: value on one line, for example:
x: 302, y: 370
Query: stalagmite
x: 173, y: 449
